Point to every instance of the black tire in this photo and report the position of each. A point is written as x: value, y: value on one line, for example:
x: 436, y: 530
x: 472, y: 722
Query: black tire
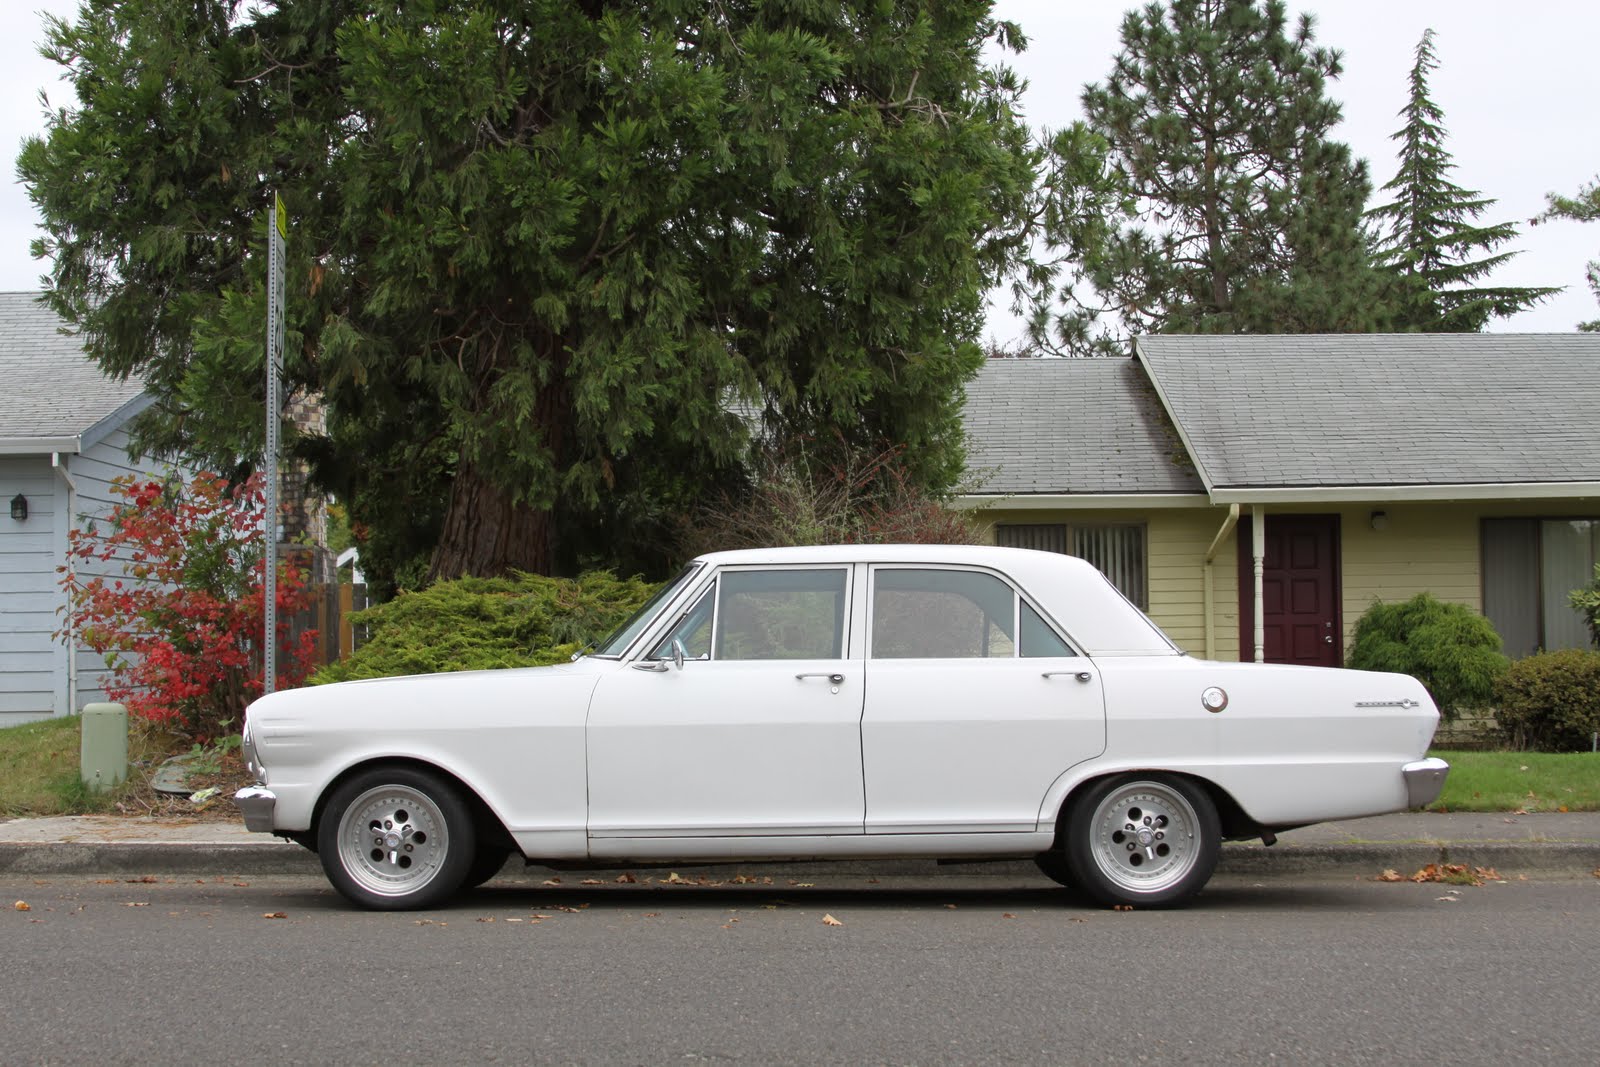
x: 485, y: 865
x: 396, y: 838
x: 1142, y: 840
x: 1053, y: 865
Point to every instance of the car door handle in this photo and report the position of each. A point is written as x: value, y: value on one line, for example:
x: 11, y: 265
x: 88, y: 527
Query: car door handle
x: 1082, y: 676
x: 836, y: 679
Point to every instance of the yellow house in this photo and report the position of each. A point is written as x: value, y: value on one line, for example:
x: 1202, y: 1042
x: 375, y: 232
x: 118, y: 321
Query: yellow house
x: 1218, y: 480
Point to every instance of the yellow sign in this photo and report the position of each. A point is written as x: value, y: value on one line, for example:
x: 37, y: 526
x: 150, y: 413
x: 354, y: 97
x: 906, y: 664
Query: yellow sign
x: 282, y: 216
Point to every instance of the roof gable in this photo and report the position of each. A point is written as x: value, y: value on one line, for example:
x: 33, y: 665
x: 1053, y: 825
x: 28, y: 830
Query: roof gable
x: 1382, y: 409
x: 56, y: 398
x: 1071, y: 426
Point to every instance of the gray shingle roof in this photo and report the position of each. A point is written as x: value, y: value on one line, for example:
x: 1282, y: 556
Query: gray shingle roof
x: 1383, y: 409
x: 1071, y: 426
x: 51, y: 391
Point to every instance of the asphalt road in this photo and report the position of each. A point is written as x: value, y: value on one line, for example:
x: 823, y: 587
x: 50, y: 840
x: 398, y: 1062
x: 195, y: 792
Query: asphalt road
x: 971, y: 970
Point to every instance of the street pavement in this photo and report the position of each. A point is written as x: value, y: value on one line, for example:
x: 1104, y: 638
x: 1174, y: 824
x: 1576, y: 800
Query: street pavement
x: 1512, y: 843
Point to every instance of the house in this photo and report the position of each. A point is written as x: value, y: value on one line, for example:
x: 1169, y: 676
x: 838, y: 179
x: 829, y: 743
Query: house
x: 63, y: 438
x: 1222, y: 480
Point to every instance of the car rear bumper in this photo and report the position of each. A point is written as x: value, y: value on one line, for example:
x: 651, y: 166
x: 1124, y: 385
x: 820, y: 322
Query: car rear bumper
x: 256, y: 804
x: 1424, y: 781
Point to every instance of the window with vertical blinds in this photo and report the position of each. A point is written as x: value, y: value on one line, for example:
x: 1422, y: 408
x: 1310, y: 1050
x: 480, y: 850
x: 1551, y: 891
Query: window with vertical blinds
x: 1530, y: 567
x: 1117, y: 549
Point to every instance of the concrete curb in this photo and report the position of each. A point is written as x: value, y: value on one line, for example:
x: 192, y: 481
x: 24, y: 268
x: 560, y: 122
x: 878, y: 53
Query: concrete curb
x: 1251, y: 860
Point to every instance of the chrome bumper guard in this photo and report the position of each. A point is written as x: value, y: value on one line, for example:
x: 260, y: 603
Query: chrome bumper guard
x: 1424, y: 781
x: 255, y: 803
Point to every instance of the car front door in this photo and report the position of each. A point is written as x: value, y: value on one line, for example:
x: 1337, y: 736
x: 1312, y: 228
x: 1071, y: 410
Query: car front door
x: 975, y: 705
x: 757, y: 733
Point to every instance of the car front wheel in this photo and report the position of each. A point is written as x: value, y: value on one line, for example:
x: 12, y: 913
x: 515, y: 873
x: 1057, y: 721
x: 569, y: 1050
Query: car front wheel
x: 396, y: 838
x: 1143, y: 840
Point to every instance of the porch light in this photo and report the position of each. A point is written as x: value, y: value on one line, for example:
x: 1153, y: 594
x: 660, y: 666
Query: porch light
x: 19, y: 508
x: 1380, y: 520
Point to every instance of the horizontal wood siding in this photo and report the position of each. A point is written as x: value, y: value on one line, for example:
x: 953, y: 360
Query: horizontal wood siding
x: 32, y: 663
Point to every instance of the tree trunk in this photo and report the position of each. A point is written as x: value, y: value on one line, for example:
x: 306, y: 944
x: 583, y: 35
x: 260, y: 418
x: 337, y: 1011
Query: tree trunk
x: 485, y: 534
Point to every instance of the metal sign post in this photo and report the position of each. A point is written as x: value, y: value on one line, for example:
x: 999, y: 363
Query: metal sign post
x: 277, y: 234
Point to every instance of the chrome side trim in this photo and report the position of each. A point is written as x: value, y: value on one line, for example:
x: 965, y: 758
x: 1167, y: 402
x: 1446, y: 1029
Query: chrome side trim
x: 1424, y: 781
x: 255, y: 803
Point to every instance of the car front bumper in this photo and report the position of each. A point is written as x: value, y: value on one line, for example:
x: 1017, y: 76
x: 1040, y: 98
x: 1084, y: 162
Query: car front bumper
x: 255, y: 803
x: 1424, y: 781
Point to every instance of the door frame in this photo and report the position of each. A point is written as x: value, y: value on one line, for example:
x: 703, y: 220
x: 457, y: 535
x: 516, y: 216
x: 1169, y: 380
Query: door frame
x: 1247, y: 597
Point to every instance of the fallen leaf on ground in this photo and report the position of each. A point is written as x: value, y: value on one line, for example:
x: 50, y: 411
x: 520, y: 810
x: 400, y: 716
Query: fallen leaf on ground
x: 23, y: 905
x: 137, y: 904
x: 1388, y: 875
x: 797, y: 885
x: 1003, y: 915
x: 1456, y: 874
x: 1122, y: 907
x: 673, y: 879
x: 113, y: 881
x: 481, y: 918
x: 508, y: 920
x: 1447, y: 900
x: 145, y: 879
x: 547, y: 881
x: 647, y: 915
x: 586, y: 881
x: 952, y: 907
x: 624, y: 877
x: 275, y: 915
x: 243, y: 885
x: 829, y: 920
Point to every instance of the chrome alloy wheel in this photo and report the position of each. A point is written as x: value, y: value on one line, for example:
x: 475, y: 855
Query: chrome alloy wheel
x: 1145, y: 837
x: 392, y: 840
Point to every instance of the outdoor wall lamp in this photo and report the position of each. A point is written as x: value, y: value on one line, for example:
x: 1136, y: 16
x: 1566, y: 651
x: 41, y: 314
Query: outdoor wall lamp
x: 19, y: 508
x: 1380, y: 520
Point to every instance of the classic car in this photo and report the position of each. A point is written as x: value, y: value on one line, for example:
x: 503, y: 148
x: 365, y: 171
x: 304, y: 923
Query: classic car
x: 840, y: 702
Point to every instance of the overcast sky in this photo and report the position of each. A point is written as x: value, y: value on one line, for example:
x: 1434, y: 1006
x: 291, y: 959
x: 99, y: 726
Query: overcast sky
x: 1515, y: 81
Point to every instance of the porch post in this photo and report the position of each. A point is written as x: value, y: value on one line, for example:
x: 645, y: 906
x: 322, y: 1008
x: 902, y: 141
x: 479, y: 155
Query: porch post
x: 1258, y: 556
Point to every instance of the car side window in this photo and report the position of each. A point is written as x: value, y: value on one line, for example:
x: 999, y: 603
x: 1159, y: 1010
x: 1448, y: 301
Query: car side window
x: 781, y: 614
x: 954, y: 614
x: 693, y: 629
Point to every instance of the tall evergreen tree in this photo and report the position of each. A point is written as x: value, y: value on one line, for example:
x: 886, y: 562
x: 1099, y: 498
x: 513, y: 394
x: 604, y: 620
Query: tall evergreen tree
x: 1584, y: 207
x: 544, y: 251
x: 1429, y: 241
x: 1202, y: 193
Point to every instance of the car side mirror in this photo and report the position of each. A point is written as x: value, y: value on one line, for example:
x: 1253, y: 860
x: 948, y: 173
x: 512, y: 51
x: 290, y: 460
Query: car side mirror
x: 678, y: 653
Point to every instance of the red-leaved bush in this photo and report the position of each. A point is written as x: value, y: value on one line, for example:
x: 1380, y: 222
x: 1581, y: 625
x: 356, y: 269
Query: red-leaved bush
x: 181, y: 630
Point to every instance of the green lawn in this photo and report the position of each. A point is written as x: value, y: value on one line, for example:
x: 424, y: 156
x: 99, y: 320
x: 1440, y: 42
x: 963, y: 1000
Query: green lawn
x: 39, y: 769
x: 1520, y: 781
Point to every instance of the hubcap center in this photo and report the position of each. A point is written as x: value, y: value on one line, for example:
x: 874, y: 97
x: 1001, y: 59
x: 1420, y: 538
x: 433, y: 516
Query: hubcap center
x: 391, y: 840
x: 1146, y: 836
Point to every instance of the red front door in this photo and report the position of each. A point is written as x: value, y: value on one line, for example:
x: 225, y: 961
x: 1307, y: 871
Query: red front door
x: 1300, y: 591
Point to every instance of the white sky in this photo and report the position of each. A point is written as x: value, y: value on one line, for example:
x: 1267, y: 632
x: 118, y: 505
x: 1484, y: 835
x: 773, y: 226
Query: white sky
x: 1515, y: 81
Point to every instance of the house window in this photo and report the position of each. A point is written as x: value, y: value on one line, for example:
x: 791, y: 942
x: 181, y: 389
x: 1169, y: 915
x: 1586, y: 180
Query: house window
x: 1530, y: 567
x: 1117, y: 549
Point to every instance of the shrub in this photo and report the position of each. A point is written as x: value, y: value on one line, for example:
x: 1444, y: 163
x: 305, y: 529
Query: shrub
x: 1449, y: 648
x: 829, y: 494
x: 486, y: 623
x: 181, y: 630
x: 1586, y: 602
x: 1551, y: 702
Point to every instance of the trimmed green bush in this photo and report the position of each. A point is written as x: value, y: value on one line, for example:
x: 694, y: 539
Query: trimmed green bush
x: 1551, y: 702
x: 1449, y: 648
x: 486, y: 623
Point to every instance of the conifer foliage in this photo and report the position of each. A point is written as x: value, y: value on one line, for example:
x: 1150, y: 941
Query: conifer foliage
x: 1429, y: 240
x: 1584, y: 207
x: 1203, y: 193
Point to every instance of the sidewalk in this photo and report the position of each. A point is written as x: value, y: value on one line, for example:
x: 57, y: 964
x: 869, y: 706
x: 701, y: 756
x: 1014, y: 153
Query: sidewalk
x: 1550, y: 844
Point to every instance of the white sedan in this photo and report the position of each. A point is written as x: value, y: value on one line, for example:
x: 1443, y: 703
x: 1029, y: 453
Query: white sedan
x: 852, y: 702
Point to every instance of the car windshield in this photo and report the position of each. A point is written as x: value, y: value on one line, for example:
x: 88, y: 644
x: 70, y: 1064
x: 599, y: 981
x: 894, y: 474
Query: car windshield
x: 623, y: 636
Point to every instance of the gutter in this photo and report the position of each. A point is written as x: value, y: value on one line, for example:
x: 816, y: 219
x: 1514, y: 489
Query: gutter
x: 58, y: 462
x: 1384, y: 494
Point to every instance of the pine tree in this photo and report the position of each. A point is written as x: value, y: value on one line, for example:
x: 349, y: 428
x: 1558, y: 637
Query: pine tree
x: 1202, y: 193
x: 1584, y: 207
x: 1429, y: 240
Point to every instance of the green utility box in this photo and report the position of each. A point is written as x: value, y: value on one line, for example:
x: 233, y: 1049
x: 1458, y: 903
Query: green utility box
x: 103, y: 756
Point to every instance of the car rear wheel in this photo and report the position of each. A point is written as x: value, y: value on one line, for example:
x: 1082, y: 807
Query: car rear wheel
x: 396, y: 838
x: 1144, y: 840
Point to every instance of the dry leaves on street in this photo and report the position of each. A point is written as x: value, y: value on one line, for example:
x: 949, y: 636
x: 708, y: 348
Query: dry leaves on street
x: 625, y: 877
x: 22, y: 905
x: 274, y: 915
x: 1451, y: 873
x: 829, y: 920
